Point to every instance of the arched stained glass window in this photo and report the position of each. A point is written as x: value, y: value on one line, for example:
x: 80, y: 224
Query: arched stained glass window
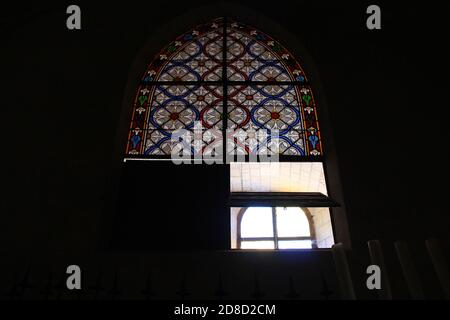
x: 225, y: 68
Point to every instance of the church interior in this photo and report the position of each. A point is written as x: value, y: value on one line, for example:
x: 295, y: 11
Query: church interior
x: 355, y: 117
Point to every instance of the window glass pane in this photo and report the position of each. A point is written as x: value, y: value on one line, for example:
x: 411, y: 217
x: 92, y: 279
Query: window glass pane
x: 295, y: 244
x: 257, y: 222
x: 256, y: 111
x: 257, y: 245
x: 254, y: 56
x: 194, y: 56
x: 292, y: 222
x: 166, y: 109
x: 277, y: 177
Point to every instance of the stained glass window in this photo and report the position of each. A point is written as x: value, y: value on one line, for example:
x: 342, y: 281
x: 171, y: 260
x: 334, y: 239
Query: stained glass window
x: 225, y: 68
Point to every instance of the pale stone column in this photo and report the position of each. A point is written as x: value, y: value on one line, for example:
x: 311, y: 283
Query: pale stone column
x: 343, y: 272
x: 440, y: 265
x: 376, y: 257
x: 409, y: 271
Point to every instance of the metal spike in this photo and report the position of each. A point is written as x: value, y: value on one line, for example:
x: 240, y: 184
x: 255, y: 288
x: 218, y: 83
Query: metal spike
x: 148, y: 293
x: 257, y: 293
x: 80, y: 293
x: 25, y: 284
x: 292, y: 294
x: 12, y: 293
x: 183, y: 293
x: 114, y: 292
x: 326, y: 292
x: 98, y: 287
x: 48, y: 292
x: 220, y: 292
x: 60, y: 287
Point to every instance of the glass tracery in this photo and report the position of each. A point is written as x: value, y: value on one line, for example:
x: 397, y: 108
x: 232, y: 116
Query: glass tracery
x: 255, y: 82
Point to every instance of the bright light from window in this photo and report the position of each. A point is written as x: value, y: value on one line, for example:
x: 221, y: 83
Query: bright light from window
x: 277, y: 177
x: 292, y: 225
x: 257, y: 245
x: 292, y: 222
x: 257, y: 222
x: 295, y: 244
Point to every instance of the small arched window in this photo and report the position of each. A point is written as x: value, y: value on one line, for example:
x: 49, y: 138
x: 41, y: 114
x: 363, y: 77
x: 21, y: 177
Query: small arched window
x: 275, y: 228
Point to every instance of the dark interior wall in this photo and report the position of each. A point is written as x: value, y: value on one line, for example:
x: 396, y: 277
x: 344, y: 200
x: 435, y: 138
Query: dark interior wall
x: 62, y: 95
x: 190, y: 212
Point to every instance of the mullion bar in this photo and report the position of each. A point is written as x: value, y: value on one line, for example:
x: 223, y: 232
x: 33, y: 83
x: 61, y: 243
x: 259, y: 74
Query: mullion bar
x: 274, y: 224
x: 225, y: 91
